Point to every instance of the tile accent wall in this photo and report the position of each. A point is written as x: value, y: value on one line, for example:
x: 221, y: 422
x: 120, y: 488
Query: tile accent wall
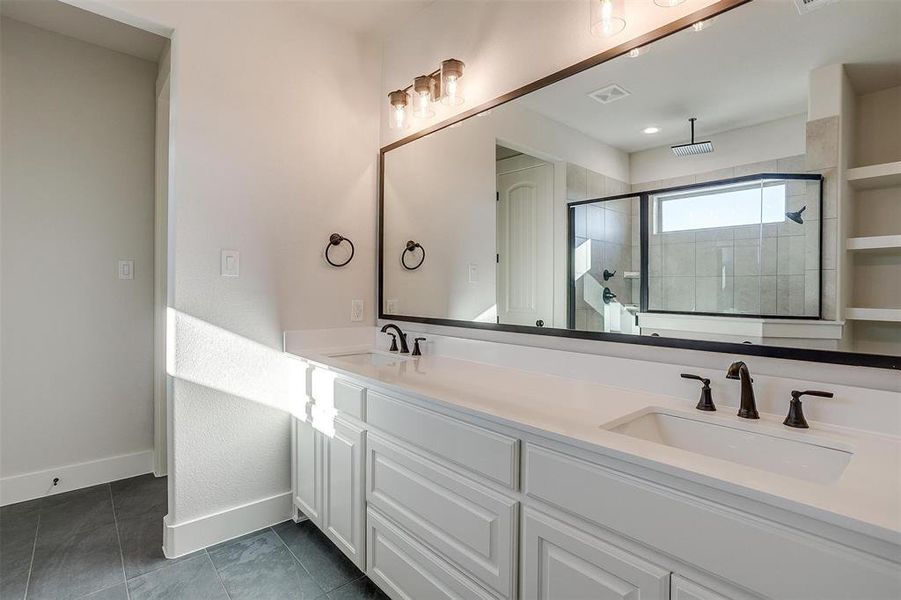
x: 747, y: 270
x: 605, y: 231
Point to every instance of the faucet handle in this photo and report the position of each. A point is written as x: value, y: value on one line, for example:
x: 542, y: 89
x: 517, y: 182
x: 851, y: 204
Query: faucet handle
x: 416, y: 350
x: 795, y: 416
x: 393, y: 342
x: 705, y: 402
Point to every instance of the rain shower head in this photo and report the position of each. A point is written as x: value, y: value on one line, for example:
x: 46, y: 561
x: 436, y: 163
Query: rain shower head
x: 796, y: 216
x: 694, y: 148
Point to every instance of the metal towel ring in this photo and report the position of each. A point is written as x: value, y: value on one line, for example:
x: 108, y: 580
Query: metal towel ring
x: 334, y: 240
x: 411, y: 247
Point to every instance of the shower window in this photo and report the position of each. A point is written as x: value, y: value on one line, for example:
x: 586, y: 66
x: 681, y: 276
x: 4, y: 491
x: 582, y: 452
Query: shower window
x: 748, y: 247
x: 720, y: 206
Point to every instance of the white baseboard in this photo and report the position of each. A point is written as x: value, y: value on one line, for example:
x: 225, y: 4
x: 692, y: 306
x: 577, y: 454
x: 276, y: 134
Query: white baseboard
x: 38, y: 484
x: 184, y: 538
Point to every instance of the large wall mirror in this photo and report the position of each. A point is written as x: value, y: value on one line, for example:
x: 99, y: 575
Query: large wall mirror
x: 734, y: 186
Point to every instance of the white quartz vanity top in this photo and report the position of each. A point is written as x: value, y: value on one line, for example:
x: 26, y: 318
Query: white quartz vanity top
x: 866, y: 498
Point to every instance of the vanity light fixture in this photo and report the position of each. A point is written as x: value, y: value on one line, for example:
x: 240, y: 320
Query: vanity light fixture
x: 451, y: 91
x: 397, y: 112
x: 608, y: 17
x: 702, y: 25
x: 651, y: 130
x: 423, y: 92
x: 441, y: 85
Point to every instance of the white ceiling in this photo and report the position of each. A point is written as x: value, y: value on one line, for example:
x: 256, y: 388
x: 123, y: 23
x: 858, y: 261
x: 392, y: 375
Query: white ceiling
x: 750, y: 67
x: 85, y: 26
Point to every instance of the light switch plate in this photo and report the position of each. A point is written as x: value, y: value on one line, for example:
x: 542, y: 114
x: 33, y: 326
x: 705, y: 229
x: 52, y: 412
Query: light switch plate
x: 230, y: 265
x: 126, y: 269
x: 473, y: 273
x: 356, y: 310
x: 391, y: 306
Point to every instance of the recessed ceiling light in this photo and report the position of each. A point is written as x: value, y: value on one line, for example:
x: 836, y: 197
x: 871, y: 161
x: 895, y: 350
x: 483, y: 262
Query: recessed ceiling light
x: 668, y: 3
x: 651, y: 130
x: 702, y: 25
x: 636, y: 52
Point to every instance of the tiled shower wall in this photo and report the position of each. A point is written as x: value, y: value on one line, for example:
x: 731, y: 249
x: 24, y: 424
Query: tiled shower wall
x: 607, y: 228
x: 747, y: 270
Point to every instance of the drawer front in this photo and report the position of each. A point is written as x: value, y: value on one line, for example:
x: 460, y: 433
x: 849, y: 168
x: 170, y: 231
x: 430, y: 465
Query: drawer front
x: 686, y: 589
x: 773, y: 560
x: 561, y: 561
x: 350, y: 399
x: 331, y: 392
x: 474, y: 527
x: 485, y: 452
x: 406, y: 570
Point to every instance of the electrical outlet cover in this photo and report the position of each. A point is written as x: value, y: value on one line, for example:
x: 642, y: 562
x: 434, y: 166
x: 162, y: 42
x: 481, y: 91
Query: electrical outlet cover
x: 356, y: 310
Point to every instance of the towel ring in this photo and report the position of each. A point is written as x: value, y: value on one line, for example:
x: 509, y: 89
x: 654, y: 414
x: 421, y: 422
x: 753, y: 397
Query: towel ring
x: 411, y: 247
x: 334, y: 240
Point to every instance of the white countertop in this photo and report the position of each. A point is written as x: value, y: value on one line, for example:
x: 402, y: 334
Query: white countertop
x: 866, y: 498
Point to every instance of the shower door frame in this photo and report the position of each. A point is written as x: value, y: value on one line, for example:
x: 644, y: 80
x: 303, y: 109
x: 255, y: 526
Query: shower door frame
x: 644, y: 234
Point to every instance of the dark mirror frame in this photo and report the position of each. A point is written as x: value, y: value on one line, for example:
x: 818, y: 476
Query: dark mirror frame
x: 784, y: 352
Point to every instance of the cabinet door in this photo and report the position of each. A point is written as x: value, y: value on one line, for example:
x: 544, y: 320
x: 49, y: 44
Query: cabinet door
x: 343, y: 489
x: 686, y: 589
x: 560, y: 562
x: 307, y: 470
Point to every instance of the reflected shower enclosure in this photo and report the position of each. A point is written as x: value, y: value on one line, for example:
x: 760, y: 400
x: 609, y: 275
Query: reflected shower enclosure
x: 744, y: 247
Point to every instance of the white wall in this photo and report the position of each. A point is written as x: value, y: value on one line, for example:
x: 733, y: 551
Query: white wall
x: 77, y: 190
x: 505, y: 45
x: 763, y: 142
x: 273, y: 147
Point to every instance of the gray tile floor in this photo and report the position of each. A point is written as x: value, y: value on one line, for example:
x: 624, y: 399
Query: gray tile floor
x: 103, y: 543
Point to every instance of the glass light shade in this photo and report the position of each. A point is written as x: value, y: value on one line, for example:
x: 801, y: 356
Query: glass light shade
x: 423, y: 88
x: 636, y: 52
x: 608, y: 17
x: 398, y: 110
x: 668, y: 3
x: 451, y: 88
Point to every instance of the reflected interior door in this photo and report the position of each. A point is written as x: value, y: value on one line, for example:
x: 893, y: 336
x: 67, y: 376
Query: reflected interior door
x: 525, y: 244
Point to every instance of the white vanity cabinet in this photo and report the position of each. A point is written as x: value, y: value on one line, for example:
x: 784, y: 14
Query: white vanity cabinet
x: 307, y: 468
x: 342, y: 484
x: 328, y: 469
x: 560, y: 561
x: 434, y: 502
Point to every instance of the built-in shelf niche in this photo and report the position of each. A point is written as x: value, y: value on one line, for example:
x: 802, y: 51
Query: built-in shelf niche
x: 879, y: 176
x: 872, y: 215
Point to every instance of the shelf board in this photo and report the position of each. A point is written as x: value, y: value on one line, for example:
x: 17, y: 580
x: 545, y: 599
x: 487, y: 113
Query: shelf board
x: 874, y: 242
x: 875, y: 176
x: 873, y: 314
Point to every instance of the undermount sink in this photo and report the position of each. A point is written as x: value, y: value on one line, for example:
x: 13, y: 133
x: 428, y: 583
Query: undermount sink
x: 815, y: 460
x: 376, y: 359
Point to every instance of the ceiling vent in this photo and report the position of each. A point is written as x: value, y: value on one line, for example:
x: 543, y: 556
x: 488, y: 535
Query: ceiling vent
x: 609, y: 94
x: 805, y: 6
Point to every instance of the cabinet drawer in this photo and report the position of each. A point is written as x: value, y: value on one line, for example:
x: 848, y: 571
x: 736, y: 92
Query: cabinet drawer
x: 485, y: 452
x: 686, y: 589
x: 474, y: 527
x: 334, y: 393
x: 406, y: 570
x: 561, y: 561
x: 776, y: 560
